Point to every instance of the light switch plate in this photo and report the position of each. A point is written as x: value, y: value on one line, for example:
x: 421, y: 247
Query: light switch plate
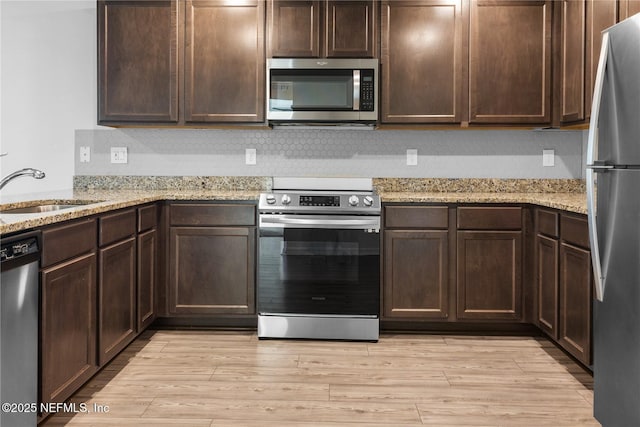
x: 412, y: 157
x: 250, y: 156
x: 118, y: 154
x: 85, y: 154
x: 548, y: 158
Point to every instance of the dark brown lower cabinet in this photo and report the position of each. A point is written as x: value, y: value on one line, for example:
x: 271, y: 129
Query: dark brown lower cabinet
x: 212, y: 270
x: 489, y: 275
x: 68, y: 327
x: 547, y: 284
x: 564, y: 281
x: 147, y: 246
x: 117, y: 298
x: 416, y: 274
x: 575, y: 301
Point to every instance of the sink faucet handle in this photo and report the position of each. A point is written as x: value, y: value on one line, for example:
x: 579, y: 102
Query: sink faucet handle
x: 3, y: 154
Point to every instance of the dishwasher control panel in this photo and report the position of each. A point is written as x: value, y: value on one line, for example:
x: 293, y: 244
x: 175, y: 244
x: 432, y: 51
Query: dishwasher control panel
x: 18, y: 249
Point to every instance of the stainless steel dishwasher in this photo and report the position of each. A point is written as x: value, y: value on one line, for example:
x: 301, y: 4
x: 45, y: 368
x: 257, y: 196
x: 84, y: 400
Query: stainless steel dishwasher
x: 20, y: 259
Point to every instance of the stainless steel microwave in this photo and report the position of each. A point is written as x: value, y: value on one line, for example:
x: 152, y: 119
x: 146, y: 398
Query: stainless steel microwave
x: 340, y: 90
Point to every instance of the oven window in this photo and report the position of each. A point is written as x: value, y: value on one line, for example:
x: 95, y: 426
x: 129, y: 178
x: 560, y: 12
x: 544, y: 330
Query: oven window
x: 306, y: 90
x: 319, y: 271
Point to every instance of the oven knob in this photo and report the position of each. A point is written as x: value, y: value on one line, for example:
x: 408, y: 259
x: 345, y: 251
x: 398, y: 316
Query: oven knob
x: 368, y: 201
x: 286, y: 199
x: 271, y: 199
x: 353, y: 200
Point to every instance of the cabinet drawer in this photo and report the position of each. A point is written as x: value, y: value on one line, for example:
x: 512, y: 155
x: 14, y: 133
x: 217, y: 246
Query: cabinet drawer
x: 117, y: 226
x: 416, y: 217
x: 62, y: 242
x: 575, y: 230
x: 147, y: 217
x: 212, y: 214
x: 489, y: 218
x: 548, y: 223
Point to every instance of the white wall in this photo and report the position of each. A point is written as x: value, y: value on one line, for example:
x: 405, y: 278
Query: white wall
x: 47, y: 87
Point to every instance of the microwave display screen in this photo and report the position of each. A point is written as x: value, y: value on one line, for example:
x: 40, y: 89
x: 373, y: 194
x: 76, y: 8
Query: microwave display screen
x: 308, y: 90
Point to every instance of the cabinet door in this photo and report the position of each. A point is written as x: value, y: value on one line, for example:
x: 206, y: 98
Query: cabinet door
x: 575, y: 301
x: 416, y: 274
x: 489, y: 275
x: 117, y: 298
x: 421, y: 59
x: 547, y: 284
x: 294, y: 28
x: 628, y: 8
x: 224, y: 61
x: 601, y: 14
x: 510, y: 61
x: 212, y: 270
x: 137, y: 61
x: 147, y: 275
x: 350, y: 29
x: 68, y: 327
x: 572, y: 56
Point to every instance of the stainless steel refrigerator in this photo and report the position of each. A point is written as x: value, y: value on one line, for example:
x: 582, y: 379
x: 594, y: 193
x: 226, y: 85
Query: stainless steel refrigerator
x: 613, y: 196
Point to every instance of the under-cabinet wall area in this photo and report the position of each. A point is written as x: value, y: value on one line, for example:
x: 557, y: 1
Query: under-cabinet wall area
x: 310, y: 152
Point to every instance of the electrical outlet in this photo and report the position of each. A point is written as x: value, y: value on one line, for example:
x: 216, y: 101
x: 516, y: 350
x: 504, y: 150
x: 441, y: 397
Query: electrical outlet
x: 118, y: 154
x: 548, y: 158
x: 412, y: 157
x: 250, y: 156
x: 85, y: 154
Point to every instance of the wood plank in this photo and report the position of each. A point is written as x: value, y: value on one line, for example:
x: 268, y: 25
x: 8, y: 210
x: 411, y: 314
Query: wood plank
x: 292, y: 410
x: 212, y: 378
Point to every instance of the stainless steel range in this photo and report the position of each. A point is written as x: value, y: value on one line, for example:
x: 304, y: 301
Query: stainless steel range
x: 319, y: 260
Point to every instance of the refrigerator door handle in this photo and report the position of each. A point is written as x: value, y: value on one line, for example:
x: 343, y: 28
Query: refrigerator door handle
x: 594, y: 166
x: 600, y: 167
x: 593, y: 235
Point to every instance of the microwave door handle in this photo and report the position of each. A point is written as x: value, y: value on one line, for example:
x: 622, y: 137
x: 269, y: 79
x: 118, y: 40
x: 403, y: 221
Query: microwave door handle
x: 356, y: 90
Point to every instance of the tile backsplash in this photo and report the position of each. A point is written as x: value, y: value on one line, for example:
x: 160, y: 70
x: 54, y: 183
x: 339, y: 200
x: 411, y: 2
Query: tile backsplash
x: 312, y: 152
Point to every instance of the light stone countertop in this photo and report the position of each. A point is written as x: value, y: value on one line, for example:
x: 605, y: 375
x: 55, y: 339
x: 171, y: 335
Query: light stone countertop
x: 99, y: 201
x: 571, y: 202
x: 107, y: 200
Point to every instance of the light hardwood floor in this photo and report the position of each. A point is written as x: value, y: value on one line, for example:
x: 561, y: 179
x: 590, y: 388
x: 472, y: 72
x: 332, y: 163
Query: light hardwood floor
x: 213, y: 378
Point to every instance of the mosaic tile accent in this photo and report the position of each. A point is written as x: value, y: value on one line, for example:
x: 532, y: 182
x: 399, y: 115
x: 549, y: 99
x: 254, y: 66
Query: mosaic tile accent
x: 333, y: 153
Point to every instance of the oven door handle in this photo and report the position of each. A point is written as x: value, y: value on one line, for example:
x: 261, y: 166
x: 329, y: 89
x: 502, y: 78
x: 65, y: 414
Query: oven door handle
x: 321, y: 221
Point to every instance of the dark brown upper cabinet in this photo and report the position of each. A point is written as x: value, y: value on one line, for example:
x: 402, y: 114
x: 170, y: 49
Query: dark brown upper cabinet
x: 628, y: 8
x: 137, y: 61
x: 180, y: 62
x: 317, y: 29
x: 510, y: 61
x: 601, y: 14
x: 422, y: 61
x: 569, y: 68
x: 577, y: 40
x: 224, y: 61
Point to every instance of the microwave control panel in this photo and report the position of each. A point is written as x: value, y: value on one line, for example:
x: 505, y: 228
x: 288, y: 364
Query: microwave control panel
x: 366, y: 90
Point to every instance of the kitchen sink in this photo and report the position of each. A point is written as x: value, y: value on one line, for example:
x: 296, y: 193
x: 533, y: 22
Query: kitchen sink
x: 46, y: 207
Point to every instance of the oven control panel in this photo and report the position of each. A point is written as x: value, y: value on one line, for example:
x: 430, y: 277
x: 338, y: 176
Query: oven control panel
x: 319, y: 201
x: 305, y: 202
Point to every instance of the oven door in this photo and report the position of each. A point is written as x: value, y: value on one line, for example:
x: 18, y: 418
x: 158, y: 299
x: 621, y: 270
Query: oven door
x: 319, y: 265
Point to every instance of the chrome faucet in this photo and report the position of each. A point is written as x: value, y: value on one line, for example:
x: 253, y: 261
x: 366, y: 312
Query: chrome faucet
x: 37, y: 174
